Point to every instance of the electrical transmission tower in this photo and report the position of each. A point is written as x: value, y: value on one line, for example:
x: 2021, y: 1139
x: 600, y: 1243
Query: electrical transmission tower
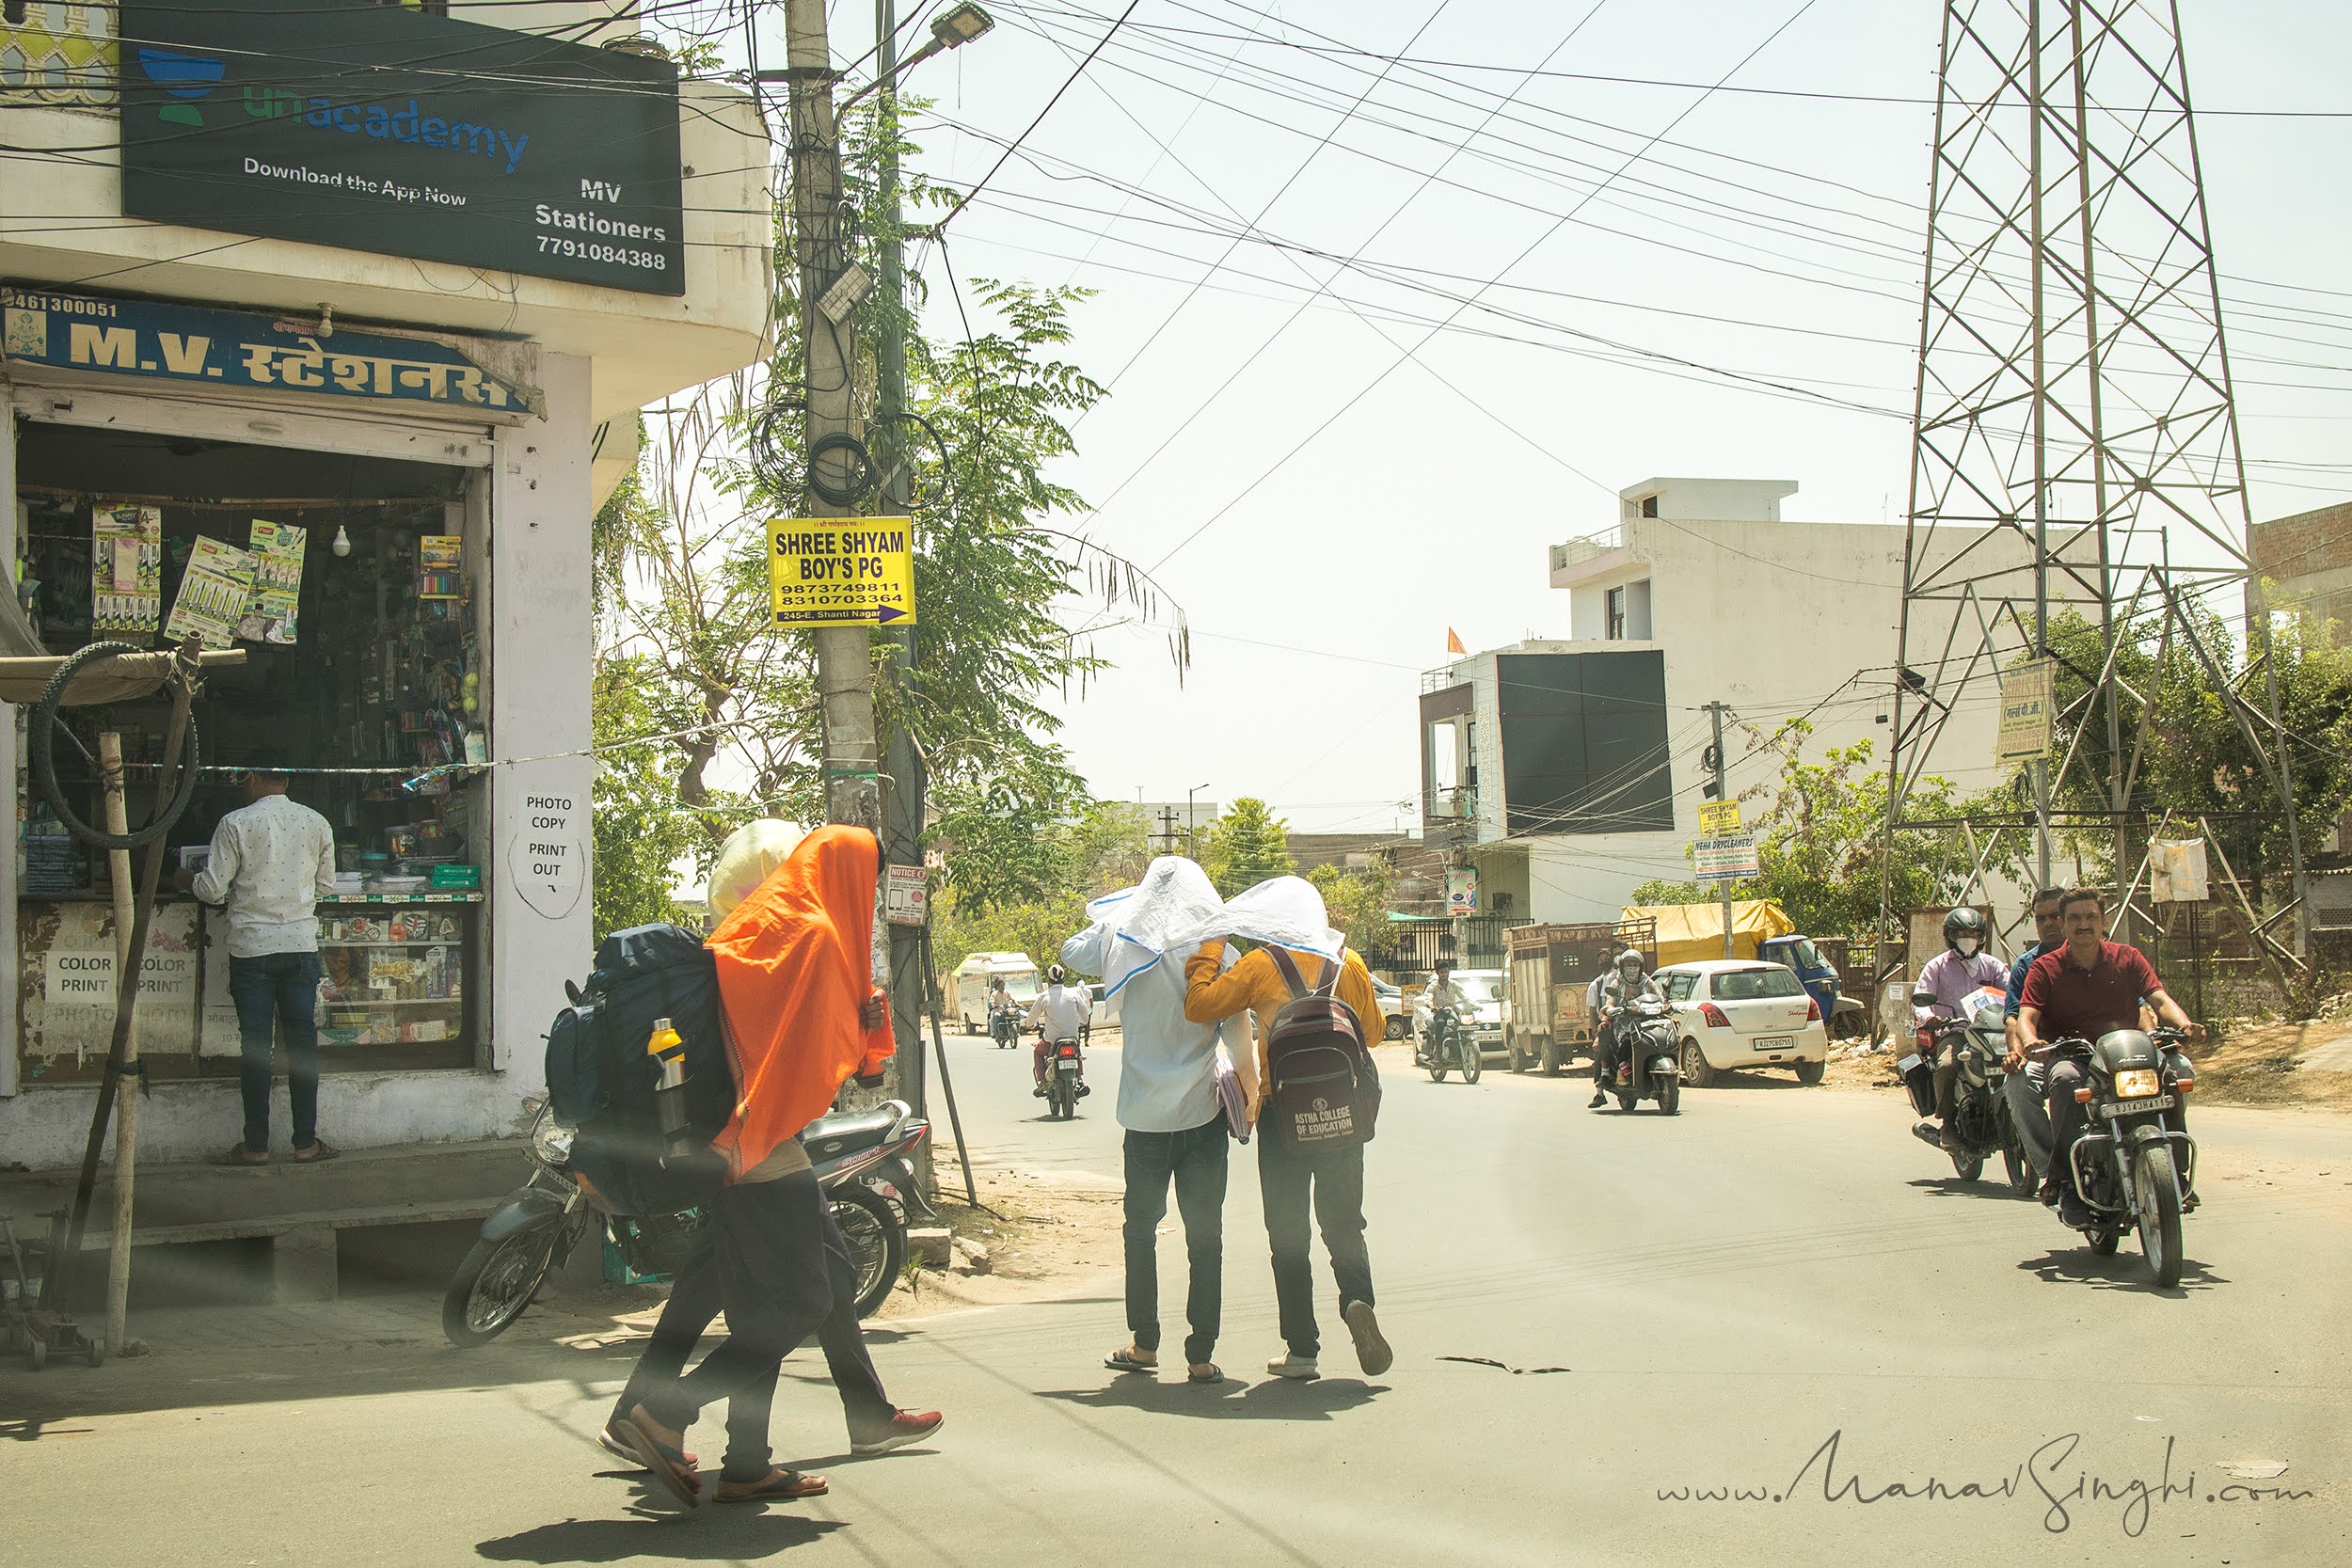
x: 2075, y: 441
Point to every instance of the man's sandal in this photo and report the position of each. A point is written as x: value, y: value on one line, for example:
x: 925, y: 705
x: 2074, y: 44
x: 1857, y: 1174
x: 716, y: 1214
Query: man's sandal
x: 780, y: 1485
x: 237, y: 1154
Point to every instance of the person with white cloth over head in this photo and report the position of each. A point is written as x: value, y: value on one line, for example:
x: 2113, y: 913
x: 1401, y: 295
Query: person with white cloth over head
x: 1168, y: 1103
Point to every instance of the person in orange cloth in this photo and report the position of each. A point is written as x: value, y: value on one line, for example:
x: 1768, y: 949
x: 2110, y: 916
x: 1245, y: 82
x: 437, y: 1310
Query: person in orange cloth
x: 799, y: 963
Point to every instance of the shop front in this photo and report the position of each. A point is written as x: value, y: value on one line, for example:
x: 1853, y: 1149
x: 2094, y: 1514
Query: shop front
x: 392, y: 527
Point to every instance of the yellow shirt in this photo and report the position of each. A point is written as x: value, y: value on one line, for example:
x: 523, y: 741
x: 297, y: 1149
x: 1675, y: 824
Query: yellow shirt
x: 1256, y: 986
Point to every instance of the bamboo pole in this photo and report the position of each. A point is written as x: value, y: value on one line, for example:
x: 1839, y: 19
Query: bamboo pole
x: 127, y: 1107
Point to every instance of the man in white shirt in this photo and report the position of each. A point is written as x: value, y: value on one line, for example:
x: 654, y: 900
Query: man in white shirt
x: 271, y: 862
x: 1175, y: 1134
x: 1063, y: 1010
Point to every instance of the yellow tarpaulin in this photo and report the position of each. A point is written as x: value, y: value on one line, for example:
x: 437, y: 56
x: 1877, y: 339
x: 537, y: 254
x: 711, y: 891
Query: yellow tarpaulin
x: 1687, y: 932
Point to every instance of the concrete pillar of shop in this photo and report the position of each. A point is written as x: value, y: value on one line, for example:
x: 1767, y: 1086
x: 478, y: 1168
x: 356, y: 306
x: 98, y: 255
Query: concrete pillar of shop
x: 302, y: 1264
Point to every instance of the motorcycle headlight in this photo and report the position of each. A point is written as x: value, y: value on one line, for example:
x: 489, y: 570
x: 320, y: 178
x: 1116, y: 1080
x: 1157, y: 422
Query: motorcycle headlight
x: 551, y: 1140
x: 2138, y: 1083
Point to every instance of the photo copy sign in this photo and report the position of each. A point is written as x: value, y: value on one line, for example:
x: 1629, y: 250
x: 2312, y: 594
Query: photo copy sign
x: 547, y: 858
x: 381, y: 128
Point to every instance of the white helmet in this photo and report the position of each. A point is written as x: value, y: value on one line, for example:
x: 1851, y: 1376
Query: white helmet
x: 1629, y: 956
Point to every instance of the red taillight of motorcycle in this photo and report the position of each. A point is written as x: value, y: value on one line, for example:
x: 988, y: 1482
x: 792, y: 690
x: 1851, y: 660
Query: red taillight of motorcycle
x: 1925, y: 1040
x: 1070, y: 1051
x: 1813, y: 1012
x: 1713, y: 1016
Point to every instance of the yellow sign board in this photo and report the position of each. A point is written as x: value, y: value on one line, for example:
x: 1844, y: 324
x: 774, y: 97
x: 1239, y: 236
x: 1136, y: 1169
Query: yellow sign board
x: 2025, y: 708
x: 840, y: 572
x: 1718, y: 819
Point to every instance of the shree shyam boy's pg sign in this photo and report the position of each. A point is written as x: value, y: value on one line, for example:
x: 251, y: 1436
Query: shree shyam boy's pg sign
x: 840, y: 572
x: 379, y: 128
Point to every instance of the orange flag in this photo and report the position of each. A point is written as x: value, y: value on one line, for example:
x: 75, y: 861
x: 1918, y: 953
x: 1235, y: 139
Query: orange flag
x: 1453, y: 642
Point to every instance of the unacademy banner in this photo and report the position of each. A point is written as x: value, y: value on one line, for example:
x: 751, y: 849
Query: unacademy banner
x: 380, y: 128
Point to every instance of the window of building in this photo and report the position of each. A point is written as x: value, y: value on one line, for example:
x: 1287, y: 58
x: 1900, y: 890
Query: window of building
x: 1649, y: 506
x: 1616, y: 615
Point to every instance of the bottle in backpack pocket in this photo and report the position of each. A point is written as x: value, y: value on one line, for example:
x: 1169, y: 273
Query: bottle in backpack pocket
x: 665, y: 1047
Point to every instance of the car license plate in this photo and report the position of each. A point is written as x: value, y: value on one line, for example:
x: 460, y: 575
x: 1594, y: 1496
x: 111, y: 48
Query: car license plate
x: 2138, y: 1107
x: 1776, y: 1043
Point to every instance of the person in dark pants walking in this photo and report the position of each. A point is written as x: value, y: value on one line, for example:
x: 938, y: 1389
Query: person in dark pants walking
x: 798, y: 963
x: 1291, y: 1181
x: 270, y: 863
x: 1168, y: 1103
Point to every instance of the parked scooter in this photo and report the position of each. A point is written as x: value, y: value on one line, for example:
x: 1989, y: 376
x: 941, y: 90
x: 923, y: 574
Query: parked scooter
x: 861, y: 1160
x: 1450, y: 1044
x: 1650, y: 1064
x: 2130, y: 1169
x: 1065, y: 1060
x: 1981, y: 1116
x: 1004, y: 1026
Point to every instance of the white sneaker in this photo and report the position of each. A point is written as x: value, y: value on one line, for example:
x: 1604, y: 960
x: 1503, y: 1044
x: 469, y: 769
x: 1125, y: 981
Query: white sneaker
x: 1299, y: 1366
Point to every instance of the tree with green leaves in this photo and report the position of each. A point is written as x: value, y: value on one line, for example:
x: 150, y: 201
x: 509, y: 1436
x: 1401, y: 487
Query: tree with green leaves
x: 1818, y: 838
x: 1244, y: 847
x: 1356, y: 900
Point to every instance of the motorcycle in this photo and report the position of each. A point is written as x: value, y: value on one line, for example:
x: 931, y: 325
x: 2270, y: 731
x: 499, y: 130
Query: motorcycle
x: 1980, y: 1115
x: 860, y: 1158
x: 1004, y: 1026
x: 1063, y: 1086
x: 1650, y: 1064
x: 2130, y: 1169
x: 1450, y: 1044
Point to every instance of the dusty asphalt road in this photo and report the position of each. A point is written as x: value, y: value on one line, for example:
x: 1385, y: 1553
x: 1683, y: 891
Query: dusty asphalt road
x: 1721, y: 1294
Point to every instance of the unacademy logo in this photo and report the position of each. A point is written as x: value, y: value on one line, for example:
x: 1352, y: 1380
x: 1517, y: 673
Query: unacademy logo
x: 188, y: 77
x: 388, y: 122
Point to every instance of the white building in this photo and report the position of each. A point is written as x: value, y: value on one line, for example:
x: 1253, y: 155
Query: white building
x: 1572, y: 770
x: 416, y: 322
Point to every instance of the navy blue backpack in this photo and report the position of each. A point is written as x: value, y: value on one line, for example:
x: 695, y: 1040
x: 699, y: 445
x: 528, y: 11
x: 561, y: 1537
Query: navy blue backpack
x: 602, y: 1083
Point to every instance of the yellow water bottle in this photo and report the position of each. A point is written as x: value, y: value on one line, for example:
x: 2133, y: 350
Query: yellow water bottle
x: 664, y: 1046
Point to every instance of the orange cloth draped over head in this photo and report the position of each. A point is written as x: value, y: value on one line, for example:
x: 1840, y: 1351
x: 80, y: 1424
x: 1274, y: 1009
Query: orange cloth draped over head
x: 796, y: 964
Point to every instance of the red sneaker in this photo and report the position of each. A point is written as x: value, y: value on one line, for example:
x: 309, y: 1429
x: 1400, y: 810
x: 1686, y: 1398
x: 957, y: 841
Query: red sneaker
x: 906, y: 1426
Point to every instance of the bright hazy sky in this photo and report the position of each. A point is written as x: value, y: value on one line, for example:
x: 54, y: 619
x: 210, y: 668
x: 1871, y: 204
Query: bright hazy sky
x: 1354, y: 529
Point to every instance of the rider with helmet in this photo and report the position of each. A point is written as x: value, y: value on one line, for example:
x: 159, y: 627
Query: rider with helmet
x: 1953, y: 975
x: 1625, y: 985
x: 1063, y: 1010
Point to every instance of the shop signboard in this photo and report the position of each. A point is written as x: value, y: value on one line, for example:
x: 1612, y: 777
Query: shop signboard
x: 1718, y: 819
x: 2025, y: 730
x: 1724, y: 860
x: 841, y: 572
x: 240, y: 350
x: 1461, y: 892
x: 67, y: 1001
x: 380, y: 128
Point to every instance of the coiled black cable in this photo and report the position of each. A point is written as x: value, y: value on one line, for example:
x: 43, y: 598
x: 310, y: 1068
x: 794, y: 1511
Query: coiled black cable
x: 43, y: 728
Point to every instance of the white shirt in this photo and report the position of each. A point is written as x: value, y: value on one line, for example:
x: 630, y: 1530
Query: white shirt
x: 271, y: 863
x: 1449, y: 995
x: 1062, y: 1009
x: 1166, y: 1081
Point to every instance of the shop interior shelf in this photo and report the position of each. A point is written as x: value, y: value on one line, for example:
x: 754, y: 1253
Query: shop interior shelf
x: 450, y: 941
x: 398, y: 1001
x: 443, y: 897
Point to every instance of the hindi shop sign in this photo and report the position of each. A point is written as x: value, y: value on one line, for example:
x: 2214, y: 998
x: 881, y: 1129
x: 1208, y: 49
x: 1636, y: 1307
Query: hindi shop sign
x: 841, y: 572
x: 1724, y: 860
x: 379, y: 128
x: 2025, y: 731
x: 241, y: 349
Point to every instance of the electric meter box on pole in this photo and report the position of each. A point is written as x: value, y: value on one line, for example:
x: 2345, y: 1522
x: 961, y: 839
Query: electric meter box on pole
x: 840, y: 572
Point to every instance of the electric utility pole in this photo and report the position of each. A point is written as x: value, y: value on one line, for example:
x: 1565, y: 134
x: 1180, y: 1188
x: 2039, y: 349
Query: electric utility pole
x: 1720, y: 766
x: 906, y: 788
x: 820, y: 244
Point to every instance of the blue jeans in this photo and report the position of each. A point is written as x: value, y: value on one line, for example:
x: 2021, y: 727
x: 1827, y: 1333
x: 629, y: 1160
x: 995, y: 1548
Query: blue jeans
x: 1194, y: 1163
x: 274, y: 990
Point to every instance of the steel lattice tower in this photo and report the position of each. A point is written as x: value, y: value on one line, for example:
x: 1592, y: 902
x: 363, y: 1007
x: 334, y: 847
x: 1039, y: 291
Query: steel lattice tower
x: 2075, y: 439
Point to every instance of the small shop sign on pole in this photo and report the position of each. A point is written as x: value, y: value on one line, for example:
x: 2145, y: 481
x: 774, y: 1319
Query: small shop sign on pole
x: 906, y: 895
x: 2024, y: 729
x: 840, y: 572
x: 1725, y: 859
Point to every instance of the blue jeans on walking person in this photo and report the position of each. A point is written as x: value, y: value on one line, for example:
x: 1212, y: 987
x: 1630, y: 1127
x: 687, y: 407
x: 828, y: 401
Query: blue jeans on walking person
x: 273, y: 991
x: 1193, y: 1161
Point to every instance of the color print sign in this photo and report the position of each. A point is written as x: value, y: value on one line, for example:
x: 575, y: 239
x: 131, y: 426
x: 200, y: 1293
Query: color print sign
x: 841, y: 572
x: 241, y: 348
x: 380, y: 128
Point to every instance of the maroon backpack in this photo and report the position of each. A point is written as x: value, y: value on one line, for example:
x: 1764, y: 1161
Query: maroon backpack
x: 1321, y: 1088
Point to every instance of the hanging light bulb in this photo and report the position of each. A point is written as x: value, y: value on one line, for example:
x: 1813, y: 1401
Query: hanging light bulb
x: 342, y: 540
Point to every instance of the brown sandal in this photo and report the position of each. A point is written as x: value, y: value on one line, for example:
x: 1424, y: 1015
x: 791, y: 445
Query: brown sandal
x: 780, y: 1485
x: 237, y: 1154
x: 321, y: 1151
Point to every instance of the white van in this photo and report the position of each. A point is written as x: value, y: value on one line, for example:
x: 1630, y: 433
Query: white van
x: 979, y: 972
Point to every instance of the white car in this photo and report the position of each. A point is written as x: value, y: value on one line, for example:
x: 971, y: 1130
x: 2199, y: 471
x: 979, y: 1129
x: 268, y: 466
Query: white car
x: 1392, y: 1021
x: 1740, y: 1012
x: 1487, y: 994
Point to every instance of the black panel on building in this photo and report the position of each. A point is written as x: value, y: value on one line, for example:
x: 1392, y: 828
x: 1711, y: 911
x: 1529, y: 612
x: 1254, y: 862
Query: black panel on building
x: 1584, y: 742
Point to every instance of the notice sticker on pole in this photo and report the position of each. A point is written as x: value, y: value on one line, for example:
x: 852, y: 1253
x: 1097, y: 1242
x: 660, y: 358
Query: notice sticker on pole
x: 1461, y: 892
x: 1725, y: 859
x: 840, y: 572
x: 2025, y: 731
x: 906, y: 895
x: 1718, y: 819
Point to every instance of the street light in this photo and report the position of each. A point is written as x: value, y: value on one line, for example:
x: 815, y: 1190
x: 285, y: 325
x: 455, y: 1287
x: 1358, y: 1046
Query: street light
x: 950, y: 30
x: 1192, y: 823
